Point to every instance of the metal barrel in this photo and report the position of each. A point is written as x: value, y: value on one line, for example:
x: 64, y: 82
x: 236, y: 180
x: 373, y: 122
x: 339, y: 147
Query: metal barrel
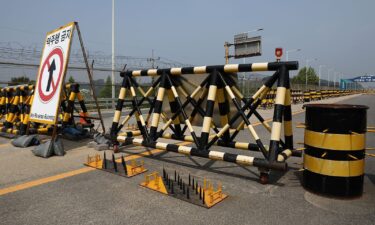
x: 334, y: 156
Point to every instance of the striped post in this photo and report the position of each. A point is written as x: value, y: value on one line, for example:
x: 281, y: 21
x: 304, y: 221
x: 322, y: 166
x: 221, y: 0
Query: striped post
x: 288, y: 125
x: 209, y: 110
x: 223, y: 105
x: 140, y: 120
x: 278, y: 115
x: 157, y: 108
x: 118, y: 109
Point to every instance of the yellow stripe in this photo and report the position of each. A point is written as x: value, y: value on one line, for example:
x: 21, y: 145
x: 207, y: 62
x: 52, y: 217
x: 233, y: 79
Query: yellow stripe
x: 331, y: 141
x: 44, y: 180
x: 333, y: 167
x: 57, y: 177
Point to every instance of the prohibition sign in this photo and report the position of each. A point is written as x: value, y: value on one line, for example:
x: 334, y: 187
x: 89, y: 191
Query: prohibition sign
x: 51, y: 71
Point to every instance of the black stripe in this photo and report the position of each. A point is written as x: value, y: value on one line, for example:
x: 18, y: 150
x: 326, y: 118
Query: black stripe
x: 330, y: 185
x: 288, y: 113
x: 338, y: 119
x: 278, y: 113
x: 172, y: 148
x: 187, y: 70
x: 196, y: 152
x: 228, y: 157
x: 338, y: 155
x: 210, y: 108
x: 244, y: 67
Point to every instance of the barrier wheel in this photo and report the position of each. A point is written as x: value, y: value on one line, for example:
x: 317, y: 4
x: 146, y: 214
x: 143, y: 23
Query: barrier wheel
x: 116, y: 149
x: 263, y: 178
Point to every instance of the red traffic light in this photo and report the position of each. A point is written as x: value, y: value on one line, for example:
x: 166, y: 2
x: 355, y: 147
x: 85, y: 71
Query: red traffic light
x: 278, y: 52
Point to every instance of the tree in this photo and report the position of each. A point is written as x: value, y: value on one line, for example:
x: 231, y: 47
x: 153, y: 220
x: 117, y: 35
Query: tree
x: 106, y: 91
x: 312, y: 78
x: 71, y: 80
x: 20, y: 80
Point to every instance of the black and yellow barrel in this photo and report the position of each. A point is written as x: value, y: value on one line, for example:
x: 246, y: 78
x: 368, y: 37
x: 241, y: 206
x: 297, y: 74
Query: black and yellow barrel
x: 334, y: 156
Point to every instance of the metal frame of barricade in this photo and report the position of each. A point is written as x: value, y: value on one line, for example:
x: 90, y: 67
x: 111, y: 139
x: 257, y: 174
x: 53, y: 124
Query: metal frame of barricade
x: 214, y: 87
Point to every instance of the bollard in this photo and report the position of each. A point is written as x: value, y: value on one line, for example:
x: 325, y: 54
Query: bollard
x: 334, y: 149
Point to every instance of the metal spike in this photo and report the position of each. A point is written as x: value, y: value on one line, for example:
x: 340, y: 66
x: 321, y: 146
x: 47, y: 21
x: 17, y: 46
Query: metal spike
x: 114, y: 162
x: 203, y: 198
x: 124, y: 164
x: 104, y: 161
x: 189, y: 180
x: 187, y: 193
x: 175, y: 175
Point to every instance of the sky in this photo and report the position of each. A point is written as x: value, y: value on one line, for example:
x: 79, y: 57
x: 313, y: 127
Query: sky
x: 339, y: 34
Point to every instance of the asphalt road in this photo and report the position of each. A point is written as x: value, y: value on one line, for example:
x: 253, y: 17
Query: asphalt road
x: 96, y: 197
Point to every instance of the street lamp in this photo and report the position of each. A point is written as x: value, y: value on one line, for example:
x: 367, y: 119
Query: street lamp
x: 113, y: 54
x: 329, y: 70
x: 320, y: 70
x: 334, y: 79
x: 307, y: 65
x: 292, y: 50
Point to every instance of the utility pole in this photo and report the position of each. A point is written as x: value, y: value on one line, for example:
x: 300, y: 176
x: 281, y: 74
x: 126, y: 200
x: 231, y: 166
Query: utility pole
x: 320, y: 70
x: 113, y: 54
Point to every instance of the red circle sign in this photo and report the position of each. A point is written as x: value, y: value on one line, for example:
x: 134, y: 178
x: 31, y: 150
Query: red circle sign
x: 48, y: 89
x: 278, y: 52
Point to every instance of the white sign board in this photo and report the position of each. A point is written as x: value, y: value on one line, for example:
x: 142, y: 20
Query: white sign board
x: 51, y: 74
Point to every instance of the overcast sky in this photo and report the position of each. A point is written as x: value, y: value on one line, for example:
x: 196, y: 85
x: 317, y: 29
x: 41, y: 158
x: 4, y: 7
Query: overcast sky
x: 340, y: 34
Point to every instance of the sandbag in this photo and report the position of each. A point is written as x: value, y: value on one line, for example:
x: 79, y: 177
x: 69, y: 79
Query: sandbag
x: 49, y: 149
x: 101, y: 139
x: 44, y: 150
x: 26, y: 141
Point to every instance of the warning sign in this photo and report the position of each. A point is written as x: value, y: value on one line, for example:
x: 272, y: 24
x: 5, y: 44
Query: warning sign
x: 51, y: 75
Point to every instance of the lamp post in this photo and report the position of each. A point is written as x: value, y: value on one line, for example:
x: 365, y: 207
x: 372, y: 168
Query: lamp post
x: 291, y: 50
x: 334, y: 80
x: 320, y: 70
x: 331, y: 69
x: 113, y: 54
x: 307, y: 65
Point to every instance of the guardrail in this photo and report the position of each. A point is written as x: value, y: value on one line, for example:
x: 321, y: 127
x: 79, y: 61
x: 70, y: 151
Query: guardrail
x: 106, y: 103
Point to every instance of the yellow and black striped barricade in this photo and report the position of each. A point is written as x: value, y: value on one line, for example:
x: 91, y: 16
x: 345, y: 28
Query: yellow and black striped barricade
x: 215, y: 89
x: 306, y: 96
x: 334, y: 156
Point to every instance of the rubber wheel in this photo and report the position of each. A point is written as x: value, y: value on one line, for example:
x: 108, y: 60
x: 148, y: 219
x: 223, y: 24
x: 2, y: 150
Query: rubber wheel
x: 263, y: 178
